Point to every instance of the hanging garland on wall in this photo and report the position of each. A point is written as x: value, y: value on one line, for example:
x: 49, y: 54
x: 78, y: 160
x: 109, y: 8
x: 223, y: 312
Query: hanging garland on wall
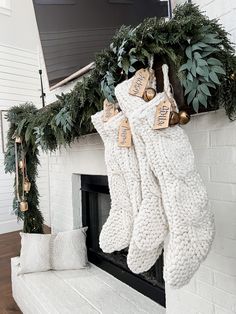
x: 197, y: 50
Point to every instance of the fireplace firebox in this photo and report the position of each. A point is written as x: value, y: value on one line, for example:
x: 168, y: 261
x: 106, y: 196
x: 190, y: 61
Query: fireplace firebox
x: 95, y: 210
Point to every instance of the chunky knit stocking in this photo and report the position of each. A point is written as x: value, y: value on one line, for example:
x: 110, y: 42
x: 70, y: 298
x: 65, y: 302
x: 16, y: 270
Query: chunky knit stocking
x: 150, y: 227
x: 116, y: 232
x: 126, y: 160
x: 184, y: 196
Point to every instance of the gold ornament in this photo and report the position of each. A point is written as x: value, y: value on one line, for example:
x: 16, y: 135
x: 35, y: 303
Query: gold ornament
x: 24, y: 206
x: 184, y: 117
x: 232, y: 76
x: 27, y: 185
x: 18, y: 139
x: 174, y: 118
x: 149, y: 94
x: 21, y: 164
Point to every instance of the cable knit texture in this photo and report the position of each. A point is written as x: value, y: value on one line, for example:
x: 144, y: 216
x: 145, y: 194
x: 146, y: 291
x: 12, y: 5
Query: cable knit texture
x: 150, y: 227
x: 184, y: 195
x: 126, y: 159
x: 116, y: 232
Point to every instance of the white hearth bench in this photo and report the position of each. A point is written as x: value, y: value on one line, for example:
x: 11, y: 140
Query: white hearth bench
x: 86, y: 291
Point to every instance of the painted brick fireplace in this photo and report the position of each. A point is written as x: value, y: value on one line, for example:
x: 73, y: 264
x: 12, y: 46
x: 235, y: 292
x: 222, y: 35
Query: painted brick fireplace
x: 213, y: 289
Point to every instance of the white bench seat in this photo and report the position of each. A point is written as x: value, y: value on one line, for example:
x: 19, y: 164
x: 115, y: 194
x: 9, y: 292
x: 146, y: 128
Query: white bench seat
x: 85, y: 291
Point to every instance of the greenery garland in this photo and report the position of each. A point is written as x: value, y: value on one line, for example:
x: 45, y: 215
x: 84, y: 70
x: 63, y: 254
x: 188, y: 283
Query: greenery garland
x: 33, y: 219
x: 198, y: 48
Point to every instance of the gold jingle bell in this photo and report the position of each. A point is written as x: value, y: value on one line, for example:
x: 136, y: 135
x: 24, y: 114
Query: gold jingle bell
x: 184, y: 117
x: 149, y: 94
x: 24, y: 206
x: 174, y: 118
x: 21, y: 164
x: 18, y: 139
x: 27, y: 185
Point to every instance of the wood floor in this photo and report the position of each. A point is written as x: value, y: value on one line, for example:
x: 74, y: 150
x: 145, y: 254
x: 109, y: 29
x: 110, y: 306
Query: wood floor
x: 9, y: 247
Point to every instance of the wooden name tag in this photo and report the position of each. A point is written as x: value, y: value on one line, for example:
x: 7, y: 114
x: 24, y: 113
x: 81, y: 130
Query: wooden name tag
x: 139, y: 83
x: 109, y: 110
x: 124, y: 136
x: 162, y: 115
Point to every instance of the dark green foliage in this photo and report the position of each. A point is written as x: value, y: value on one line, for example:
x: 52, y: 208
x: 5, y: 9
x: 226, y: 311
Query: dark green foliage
x: 197, y: 47
x: 20, y: 117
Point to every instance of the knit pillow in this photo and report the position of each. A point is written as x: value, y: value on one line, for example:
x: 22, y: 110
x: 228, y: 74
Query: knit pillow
x: 62, y: 251
x: 69, y: 250
x: 35, y: 252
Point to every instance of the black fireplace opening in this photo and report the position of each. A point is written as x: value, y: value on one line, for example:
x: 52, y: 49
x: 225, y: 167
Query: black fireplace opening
x: 96, y: 204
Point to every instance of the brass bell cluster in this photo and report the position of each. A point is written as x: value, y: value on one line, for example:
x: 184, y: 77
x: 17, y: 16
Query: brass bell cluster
x: 150, y: 91
x: 181, y: 117
x: 26, y: 185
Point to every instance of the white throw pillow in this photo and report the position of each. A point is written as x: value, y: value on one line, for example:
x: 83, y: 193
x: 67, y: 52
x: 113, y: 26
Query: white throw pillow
x: 62, y: 251
x: 69, y: 250
x: 35, y: 252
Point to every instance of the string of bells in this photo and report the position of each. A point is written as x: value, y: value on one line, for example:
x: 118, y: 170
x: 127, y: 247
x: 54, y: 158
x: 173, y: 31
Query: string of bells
x: 25, y: 183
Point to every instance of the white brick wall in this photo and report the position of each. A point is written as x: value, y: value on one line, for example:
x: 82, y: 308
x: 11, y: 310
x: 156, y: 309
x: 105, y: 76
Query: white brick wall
x: 86, y: 156
x: 213, y: 288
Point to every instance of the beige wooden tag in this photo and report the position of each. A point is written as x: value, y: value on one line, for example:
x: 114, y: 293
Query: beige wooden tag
x: 109, y: 110
x: 162, y: 115
x: 139, y: 83
x: 124, y: 137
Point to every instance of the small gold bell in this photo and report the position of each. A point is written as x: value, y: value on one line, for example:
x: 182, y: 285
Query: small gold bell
x: 149, y: 94
x: 21, y: 164
x: 24, y: 206
x: 184, y: 117
x: 174, y: 118
x: 18, y: 139
x: 27, y: 185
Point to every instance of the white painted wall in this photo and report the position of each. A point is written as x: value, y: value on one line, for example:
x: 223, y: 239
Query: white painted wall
x: 19, y: 83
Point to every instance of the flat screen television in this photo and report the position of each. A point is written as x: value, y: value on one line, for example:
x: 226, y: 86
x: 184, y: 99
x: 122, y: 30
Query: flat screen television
x: 73, y: 31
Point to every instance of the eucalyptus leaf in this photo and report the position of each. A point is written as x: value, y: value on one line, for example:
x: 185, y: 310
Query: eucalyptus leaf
x: 218, y: 69
x: 214, y: 61
x: 190, y: 77
x: 189, y: 64
x: 201, y: 62
x: 188, y: 52
x: 183, y: 67
x: 200, y: 71
x: 202, y: 99
x: 196, y: 47
x: 197, y: 55
x: 195, y: 104
x: 132, y: 69
x: 204, y: 88
x: 214, y: 77
x: 191, y: 95
x: 189, y: 88
x: 193, y: 69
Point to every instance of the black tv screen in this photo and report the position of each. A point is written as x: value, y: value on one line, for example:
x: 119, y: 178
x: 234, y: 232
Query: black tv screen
x: 73, y: 31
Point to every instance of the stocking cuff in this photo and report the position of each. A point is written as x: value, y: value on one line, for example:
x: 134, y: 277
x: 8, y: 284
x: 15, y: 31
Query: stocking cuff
x: 97, y: 120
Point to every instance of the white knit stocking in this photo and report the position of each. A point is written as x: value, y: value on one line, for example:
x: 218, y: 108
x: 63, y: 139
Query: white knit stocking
x: 150, y: 227
x: 184, y: 196
x: 126, y: 160
x: 116, y: 232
